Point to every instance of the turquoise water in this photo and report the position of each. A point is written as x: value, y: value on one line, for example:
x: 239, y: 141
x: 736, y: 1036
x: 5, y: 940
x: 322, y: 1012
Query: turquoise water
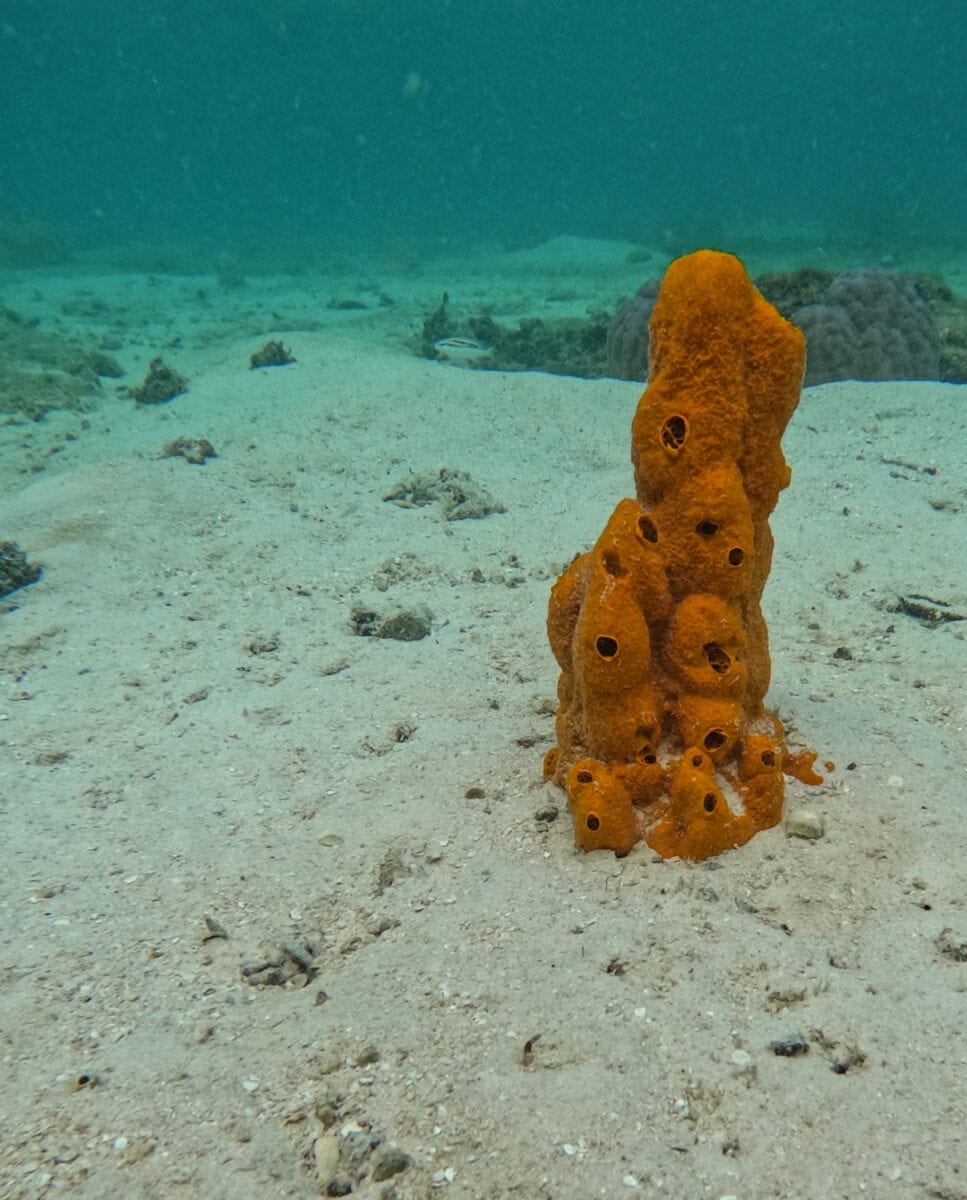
x: 221, y: 122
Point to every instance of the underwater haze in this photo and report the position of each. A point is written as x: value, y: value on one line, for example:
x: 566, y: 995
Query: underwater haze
x: 223, y: 123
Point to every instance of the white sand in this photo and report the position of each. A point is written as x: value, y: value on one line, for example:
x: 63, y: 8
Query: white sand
x: 176, y: 743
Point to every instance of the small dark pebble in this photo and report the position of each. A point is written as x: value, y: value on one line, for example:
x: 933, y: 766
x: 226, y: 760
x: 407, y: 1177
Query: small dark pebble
x: 843, y: 1058
x: 789, y: 1047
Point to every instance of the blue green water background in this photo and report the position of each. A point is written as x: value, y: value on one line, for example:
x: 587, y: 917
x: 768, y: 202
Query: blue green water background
x: 223, y: 122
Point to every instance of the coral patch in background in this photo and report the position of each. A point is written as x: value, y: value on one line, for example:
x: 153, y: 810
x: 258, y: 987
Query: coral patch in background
x: 869, y: 324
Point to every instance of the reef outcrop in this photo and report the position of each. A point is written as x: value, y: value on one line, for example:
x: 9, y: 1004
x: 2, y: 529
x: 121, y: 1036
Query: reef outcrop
x: 868, y: 324
x: 871, y: 324
x: 662, y: 732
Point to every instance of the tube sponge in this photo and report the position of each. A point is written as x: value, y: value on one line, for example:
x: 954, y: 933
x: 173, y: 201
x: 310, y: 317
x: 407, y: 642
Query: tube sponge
x: 661, y: 727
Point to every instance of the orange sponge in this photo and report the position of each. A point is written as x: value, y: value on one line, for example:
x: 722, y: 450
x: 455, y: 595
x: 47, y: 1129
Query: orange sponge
x: 663, y: 650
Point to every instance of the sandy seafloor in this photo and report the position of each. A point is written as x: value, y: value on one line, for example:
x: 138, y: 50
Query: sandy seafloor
x: 193, y: 741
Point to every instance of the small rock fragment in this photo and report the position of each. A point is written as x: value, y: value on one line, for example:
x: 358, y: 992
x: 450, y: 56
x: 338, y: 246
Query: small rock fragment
x: 272, y: 354
x: 805, y: 823
x: 287, y: 964
x: 162, y: 383
x: 333, y: 668
x: 952, y: 945
x: 406, y: 625
x: 326, y: 1153
x: 456, y: 494
x: 213, y: 930
x: 15, y: 571
x: 357, y: 1146
x: 790, y: 1047
x: 410, y: 625
x: 193, y: 450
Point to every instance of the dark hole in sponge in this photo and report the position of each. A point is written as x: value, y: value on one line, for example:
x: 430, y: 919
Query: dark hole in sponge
x: 697, y: 760
x: 606, y: 646
x: 768, y: 758
x: 593, y: 822
x: 736, y: 556
x: 713, y: 739
x: 716, y: 657
x: 707, y: 528
x: 612, y: 563
x: 710, y: 802
x: 673, y: 433
x: 584, y: 776
x: 648, y: 529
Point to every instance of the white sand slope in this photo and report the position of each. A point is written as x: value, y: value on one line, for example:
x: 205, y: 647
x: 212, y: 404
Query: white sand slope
x: 191, y: 730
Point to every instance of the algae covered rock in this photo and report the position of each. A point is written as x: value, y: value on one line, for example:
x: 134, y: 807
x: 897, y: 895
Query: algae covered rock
x: 399, y: 625
x: 272, y: 354
x: 457, y: 496
x: 15, y: 571
x: 161, y: 384
x: 46, y: 369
